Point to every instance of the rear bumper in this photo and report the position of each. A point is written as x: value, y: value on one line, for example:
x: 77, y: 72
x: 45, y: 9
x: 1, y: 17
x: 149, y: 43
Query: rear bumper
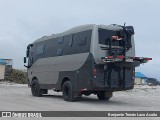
x: 97, y: 87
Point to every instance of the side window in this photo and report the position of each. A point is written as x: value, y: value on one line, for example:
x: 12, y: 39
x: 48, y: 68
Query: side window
x: 60, y: 45
x: 60, y: 40
x: 50, y: 47
x: 83, y: 41
x: 40, y: 50
x: 70, y: 40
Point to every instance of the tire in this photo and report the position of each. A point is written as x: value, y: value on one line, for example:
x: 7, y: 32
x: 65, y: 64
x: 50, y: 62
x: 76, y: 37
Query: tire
x: 35, y: 88
x: 101, y: 96
x: 67, y: 91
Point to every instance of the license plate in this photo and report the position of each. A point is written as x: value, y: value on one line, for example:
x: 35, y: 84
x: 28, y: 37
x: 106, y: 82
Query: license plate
x: 129, y: 60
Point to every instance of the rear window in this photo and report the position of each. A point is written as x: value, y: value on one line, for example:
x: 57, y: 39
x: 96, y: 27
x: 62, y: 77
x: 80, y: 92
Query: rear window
x: 105, y: 35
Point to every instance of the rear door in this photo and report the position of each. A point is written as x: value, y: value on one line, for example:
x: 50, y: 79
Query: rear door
x: 116, y: 43
x: 115, y: 77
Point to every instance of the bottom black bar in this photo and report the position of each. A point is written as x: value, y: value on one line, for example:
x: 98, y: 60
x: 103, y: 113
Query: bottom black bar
x: 79, y: 113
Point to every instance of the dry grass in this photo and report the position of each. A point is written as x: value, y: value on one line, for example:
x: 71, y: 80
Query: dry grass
x: 17, y: 76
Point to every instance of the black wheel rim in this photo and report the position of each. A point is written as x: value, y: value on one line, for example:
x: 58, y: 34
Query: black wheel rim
x: 66, y: 91
x: 34, y: 88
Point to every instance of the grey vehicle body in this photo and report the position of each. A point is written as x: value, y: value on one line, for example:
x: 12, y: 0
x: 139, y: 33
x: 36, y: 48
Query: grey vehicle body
x: 79, y: 56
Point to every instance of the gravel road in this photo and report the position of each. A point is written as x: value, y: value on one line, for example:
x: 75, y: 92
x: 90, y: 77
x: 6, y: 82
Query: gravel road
x: 15, y: 97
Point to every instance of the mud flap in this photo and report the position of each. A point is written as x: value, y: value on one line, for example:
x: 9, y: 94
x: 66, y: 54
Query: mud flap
x: 128, y: 78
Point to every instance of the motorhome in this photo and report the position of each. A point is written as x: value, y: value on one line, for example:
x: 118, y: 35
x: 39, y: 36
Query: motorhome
x: 84, y: 60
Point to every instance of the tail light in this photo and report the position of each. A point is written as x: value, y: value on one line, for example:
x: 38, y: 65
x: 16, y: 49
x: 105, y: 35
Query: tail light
x: 120, y: 57
x: 95, y: 73
x: 110, y: 57
x: 148, y: 58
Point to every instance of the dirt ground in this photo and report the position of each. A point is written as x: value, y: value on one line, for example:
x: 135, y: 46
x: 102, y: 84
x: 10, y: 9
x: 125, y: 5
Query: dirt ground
x: 15, y: 97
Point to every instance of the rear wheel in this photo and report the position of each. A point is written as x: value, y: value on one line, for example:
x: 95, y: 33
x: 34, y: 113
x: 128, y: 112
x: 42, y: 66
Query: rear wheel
x: 35, y: 88
x: 101, y: 96
x: 67, y: 91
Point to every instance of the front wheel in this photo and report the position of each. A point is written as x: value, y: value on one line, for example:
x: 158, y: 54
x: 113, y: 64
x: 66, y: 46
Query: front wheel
x: 35, y: 88
x: 101, y: 96
x: 67, y: 91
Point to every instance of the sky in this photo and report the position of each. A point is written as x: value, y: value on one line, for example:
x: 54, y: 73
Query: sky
x: 23, y: 21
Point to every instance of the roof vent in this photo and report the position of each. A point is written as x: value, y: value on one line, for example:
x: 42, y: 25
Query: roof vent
x: 43, y: 36
x: 114, y: 25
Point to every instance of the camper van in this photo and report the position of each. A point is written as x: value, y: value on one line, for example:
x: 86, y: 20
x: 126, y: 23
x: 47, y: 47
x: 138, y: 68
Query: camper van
x: 84, y: 60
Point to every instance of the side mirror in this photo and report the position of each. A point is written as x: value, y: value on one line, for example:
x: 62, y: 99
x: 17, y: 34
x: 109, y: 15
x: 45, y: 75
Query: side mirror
x: 25, y: 59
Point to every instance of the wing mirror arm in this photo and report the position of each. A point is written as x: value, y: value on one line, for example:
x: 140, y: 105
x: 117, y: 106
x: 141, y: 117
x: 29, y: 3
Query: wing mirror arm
x: 26, y: 66
x: 25, y: 61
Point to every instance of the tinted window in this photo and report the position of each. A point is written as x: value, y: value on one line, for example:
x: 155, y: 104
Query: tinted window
x: 40, y: 50
x: 70, y: 44
x: 70, y: 37
x: 51, y: 47
x: 105, y: 36
x: 81, y: 41
x: 60, y: 40
x: 66, y: 45
x: 30, y: 60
